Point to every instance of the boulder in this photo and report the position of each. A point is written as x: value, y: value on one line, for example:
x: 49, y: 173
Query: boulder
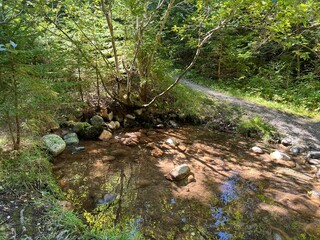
x: 105, y: 135
x: 257, y: 149
x: 71, y: 138
x: 179, y: 173
x: 79, y: 126
x: 277, y: 155
x: 91, y: 132
x: 97, y: 121
x: 314, y: 154
x: 54, y: 144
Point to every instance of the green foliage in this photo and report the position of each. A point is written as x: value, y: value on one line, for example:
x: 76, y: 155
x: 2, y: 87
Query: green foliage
x: 257, y: 128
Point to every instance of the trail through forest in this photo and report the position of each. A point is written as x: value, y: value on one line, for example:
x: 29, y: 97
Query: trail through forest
x: 295, y: 127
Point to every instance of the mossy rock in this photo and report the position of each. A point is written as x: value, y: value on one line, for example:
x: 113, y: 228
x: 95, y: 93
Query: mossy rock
x: 90, y: 132
x: 78, y: 127
x: 54, y: 144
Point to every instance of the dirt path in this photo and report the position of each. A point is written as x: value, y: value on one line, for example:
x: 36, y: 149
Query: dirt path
x: 290, y: 125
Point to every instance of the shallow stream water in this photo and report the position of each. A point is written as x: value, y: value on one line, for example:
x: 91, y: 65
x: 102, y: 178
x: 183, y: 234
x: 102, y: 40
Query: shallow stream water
x: 232, y: 193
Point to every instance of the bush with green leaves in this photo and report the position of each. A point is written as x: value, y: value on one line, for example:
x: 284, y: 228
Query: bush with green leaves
x: 257, y: 128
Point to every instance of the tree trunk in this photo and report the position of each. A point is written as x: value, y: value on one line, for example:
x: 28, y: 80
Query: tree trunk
x: 108, y: 16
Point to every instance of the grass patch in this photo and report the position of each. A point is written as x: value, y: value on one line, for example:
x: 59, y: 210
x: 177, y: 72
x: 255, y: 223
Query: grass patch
x: 257, y: 128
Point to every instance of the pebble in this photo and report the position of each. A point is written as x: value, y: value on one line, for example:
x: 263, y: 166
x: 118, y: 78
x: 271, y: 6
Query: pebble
x: 314, y: 161
x: 257, y: 149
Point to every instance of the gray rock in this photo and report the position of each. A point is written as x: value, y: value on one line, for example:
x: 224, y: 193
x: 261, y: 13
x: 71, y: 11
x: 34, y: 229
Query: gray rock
x: 277, y: 155
x: 129, y: 116
x: 54, y: 144
x: 314, y: 161
x: 314, y: 154
x: 297, y: 150
x: 107, y: 198
x: 276, y: 236
x: 172, y: 142
x: 71, y: 138
x: 287, y: 141
x: 257, y: 149
x: 173, y: 124
x: 76, y: 149
x: 97, y: 121
x: 179, y: 173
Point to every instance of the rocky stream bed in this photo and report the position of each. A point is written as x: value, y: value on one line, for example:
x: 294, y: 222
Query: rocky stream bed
x: 234, y: 191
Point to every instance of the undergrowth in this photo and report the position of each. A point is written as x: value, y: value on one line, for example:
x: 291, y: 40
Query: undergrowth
x: 30, y: 195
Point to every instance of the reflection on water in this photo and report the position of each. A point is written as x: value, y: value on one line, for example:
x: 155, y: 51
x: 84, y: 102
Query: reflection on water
x: 233, y: 194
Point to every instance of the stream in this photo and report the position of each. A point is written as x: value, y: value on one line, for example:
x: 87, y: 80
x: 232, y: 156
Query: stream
x: 233, y: 193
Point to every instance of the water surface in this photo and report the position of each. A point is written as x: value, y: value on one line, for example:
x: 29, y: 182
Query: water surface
x: 234, y: 194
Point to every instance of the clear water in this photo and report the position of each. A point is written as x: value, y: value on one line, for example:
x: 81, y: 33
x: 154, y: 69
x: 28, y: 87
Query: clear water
x: 234, y: 194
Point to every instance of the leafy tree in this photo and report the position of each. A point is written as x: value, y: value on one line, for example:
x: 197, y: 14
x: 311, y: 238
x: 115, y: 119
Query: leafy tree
x: 26, y: 95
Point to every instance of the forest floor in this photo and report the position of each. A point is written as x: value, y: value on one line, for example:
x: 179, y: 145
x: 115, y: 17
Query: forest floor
x: 289, y: 125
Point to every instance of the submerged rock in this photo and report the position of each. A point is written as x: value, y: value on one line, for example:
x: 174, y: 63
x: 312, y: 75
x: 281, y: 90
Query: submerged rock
x: 76, y: 149
x: 54, y: 144
x: 179, y: 173
x: 107, y: 198
x: 156, y: 152
x: 297, y: 150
